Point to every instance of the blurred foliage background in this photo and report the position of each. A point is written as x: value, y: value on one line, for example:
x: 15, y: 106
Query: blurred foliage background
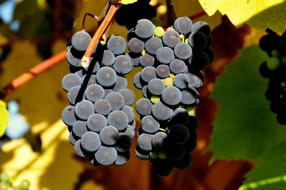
x: 34, y: 30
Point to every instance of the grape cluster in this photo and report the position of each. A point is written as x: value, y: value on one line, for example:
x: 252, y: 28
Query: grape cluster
x: 171, y: 61
x: 100, y: 117
x: 275, y: 70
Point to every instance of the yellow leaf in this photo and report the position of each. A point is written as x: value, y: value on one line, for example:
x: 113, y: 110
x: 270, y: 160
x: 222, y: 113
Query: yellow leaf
x: 238, y: 11
x: 4, y: 118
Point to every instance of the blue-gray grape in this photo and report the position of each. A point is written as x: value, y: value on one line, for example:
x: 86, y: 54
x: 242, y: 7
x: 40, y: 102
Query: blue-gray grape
x: 149, y: 124
x: 135, y: 45
x: 159, y: 140
x: 109, y: 135
x: 156, y: 86
x: 118, y: 119
x: 183, y: 51
x: 116, y: 44
x: 188, y: 98
x: 153, y: 44
x: 79, y: 128
x: 70, y: 80
x: 144, y: 106
x: 178, y: 66
x: 116, y: 100
x: 136, y: 80
x: 181, y: 81
x: 106, y: 76
x: 144, y: 142
x: 148, y: 73
x: 96, y: 122
x: 147, y: 60
x: 183, y: 25
x: 108, y: 58
x: 128, y: 110
x: 120, y: 83
x: 84, y: 109
x: 161, y: 112
x: 165, y: 55
x: 102, y: 106
x: 122, y: 64
x: 122, y: 159
x: 78, y: 149
x: 105, y: 156
x: 128, y: 96
x: 94, y: 92
x: 72, y: 94
x: 80, y: 40
x: 163, y: 71
x: 171, y: 95
x: 90, y: 141
x: 144, y: 28
x: 171, y: 38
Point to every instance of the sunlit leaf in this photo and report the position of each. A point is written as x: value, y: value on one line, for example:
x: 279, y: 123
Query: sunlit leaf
x: 241, y: 11
x: 4, y: 118
x: 125, y: 2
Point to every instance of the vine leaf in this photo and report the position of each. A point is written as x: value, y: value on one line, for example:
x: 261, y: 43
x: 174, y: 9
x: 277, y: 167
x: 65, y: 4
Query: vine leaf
x: 125, y: 2
x: 242, y: 11
x: 3, y: 118
x: 244, y: 126
x: 270, y: 170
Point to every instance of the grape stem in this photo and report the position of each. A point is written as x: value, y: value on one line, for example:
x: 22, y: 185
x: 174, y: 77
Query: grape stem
x: 85, y: 61
x: 171, y: 14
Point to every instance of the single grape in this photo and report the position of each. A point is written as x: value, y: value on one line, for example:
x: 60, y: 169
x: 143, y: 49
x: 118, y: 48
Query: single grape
x: 116, y: 44
x: 128, y: 95
x: 96, y: 122
x: 163, y: 71
x: 84, y: 109
x: 70, y: 80
x: 171, y: 95
x: 91, y: 80
x: 102, y: 106
x: 194, y: 80
x: 78, y: 149
x: 188, y: 98
x: 136, y: 61
x: 135, y: 45
x: 122, y: 64
x: 153, y: 44
x: 116, y: 100
x: 72, y: 94
x: 80, y: 40
x: 178, y: 66
x: 147, y: 60
x: 156, y: 86
x: 118, y: 119
x: 144, y: 142
x: 144, y: 28
x: 124, y: 142
x: 178, y: 134
x: 201, y: 26
x: 183, y: 25
x: 108, y: 58
x: 136, y: 80
x: 148, y: 73
x: 181, y: 81
x: 145, y: 92
x: 106, y: 155
x: 90, y: 141
x: 109, y: 135
x: 106, y: 76
x: 68, y: 115
x: 161, y: 112
x: 171, y: 38
x: 128, y: 110
x: 72, y: 60
x: 144, y: 106
x: 198, y: 40
x: 149, y: 124
x: 79, y: 128
x: 94, y: 92
x: 159, y: 140
x: 120, y: 83
x: 183, y: 51
x: 165, y: 55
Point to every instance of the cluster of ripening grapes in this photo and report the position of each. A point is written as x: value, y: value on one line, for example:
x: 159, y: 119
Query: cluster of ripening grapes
x: 275, y: 70
x: 171, y: 62
x: 100, y: 117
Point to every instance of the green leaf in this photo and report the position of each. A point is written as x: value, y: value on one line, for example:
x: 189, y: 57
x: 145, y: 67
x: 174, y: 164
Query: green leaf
x: 270, y: 170
x: 4, y: 118
x: 244, y: 126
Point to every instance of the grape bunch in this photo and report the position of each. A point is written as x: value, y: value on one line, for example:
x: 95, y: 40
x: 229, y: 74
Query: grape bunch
x: 274, y: 69
x: 100, y: 117
x: 171, y: 63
